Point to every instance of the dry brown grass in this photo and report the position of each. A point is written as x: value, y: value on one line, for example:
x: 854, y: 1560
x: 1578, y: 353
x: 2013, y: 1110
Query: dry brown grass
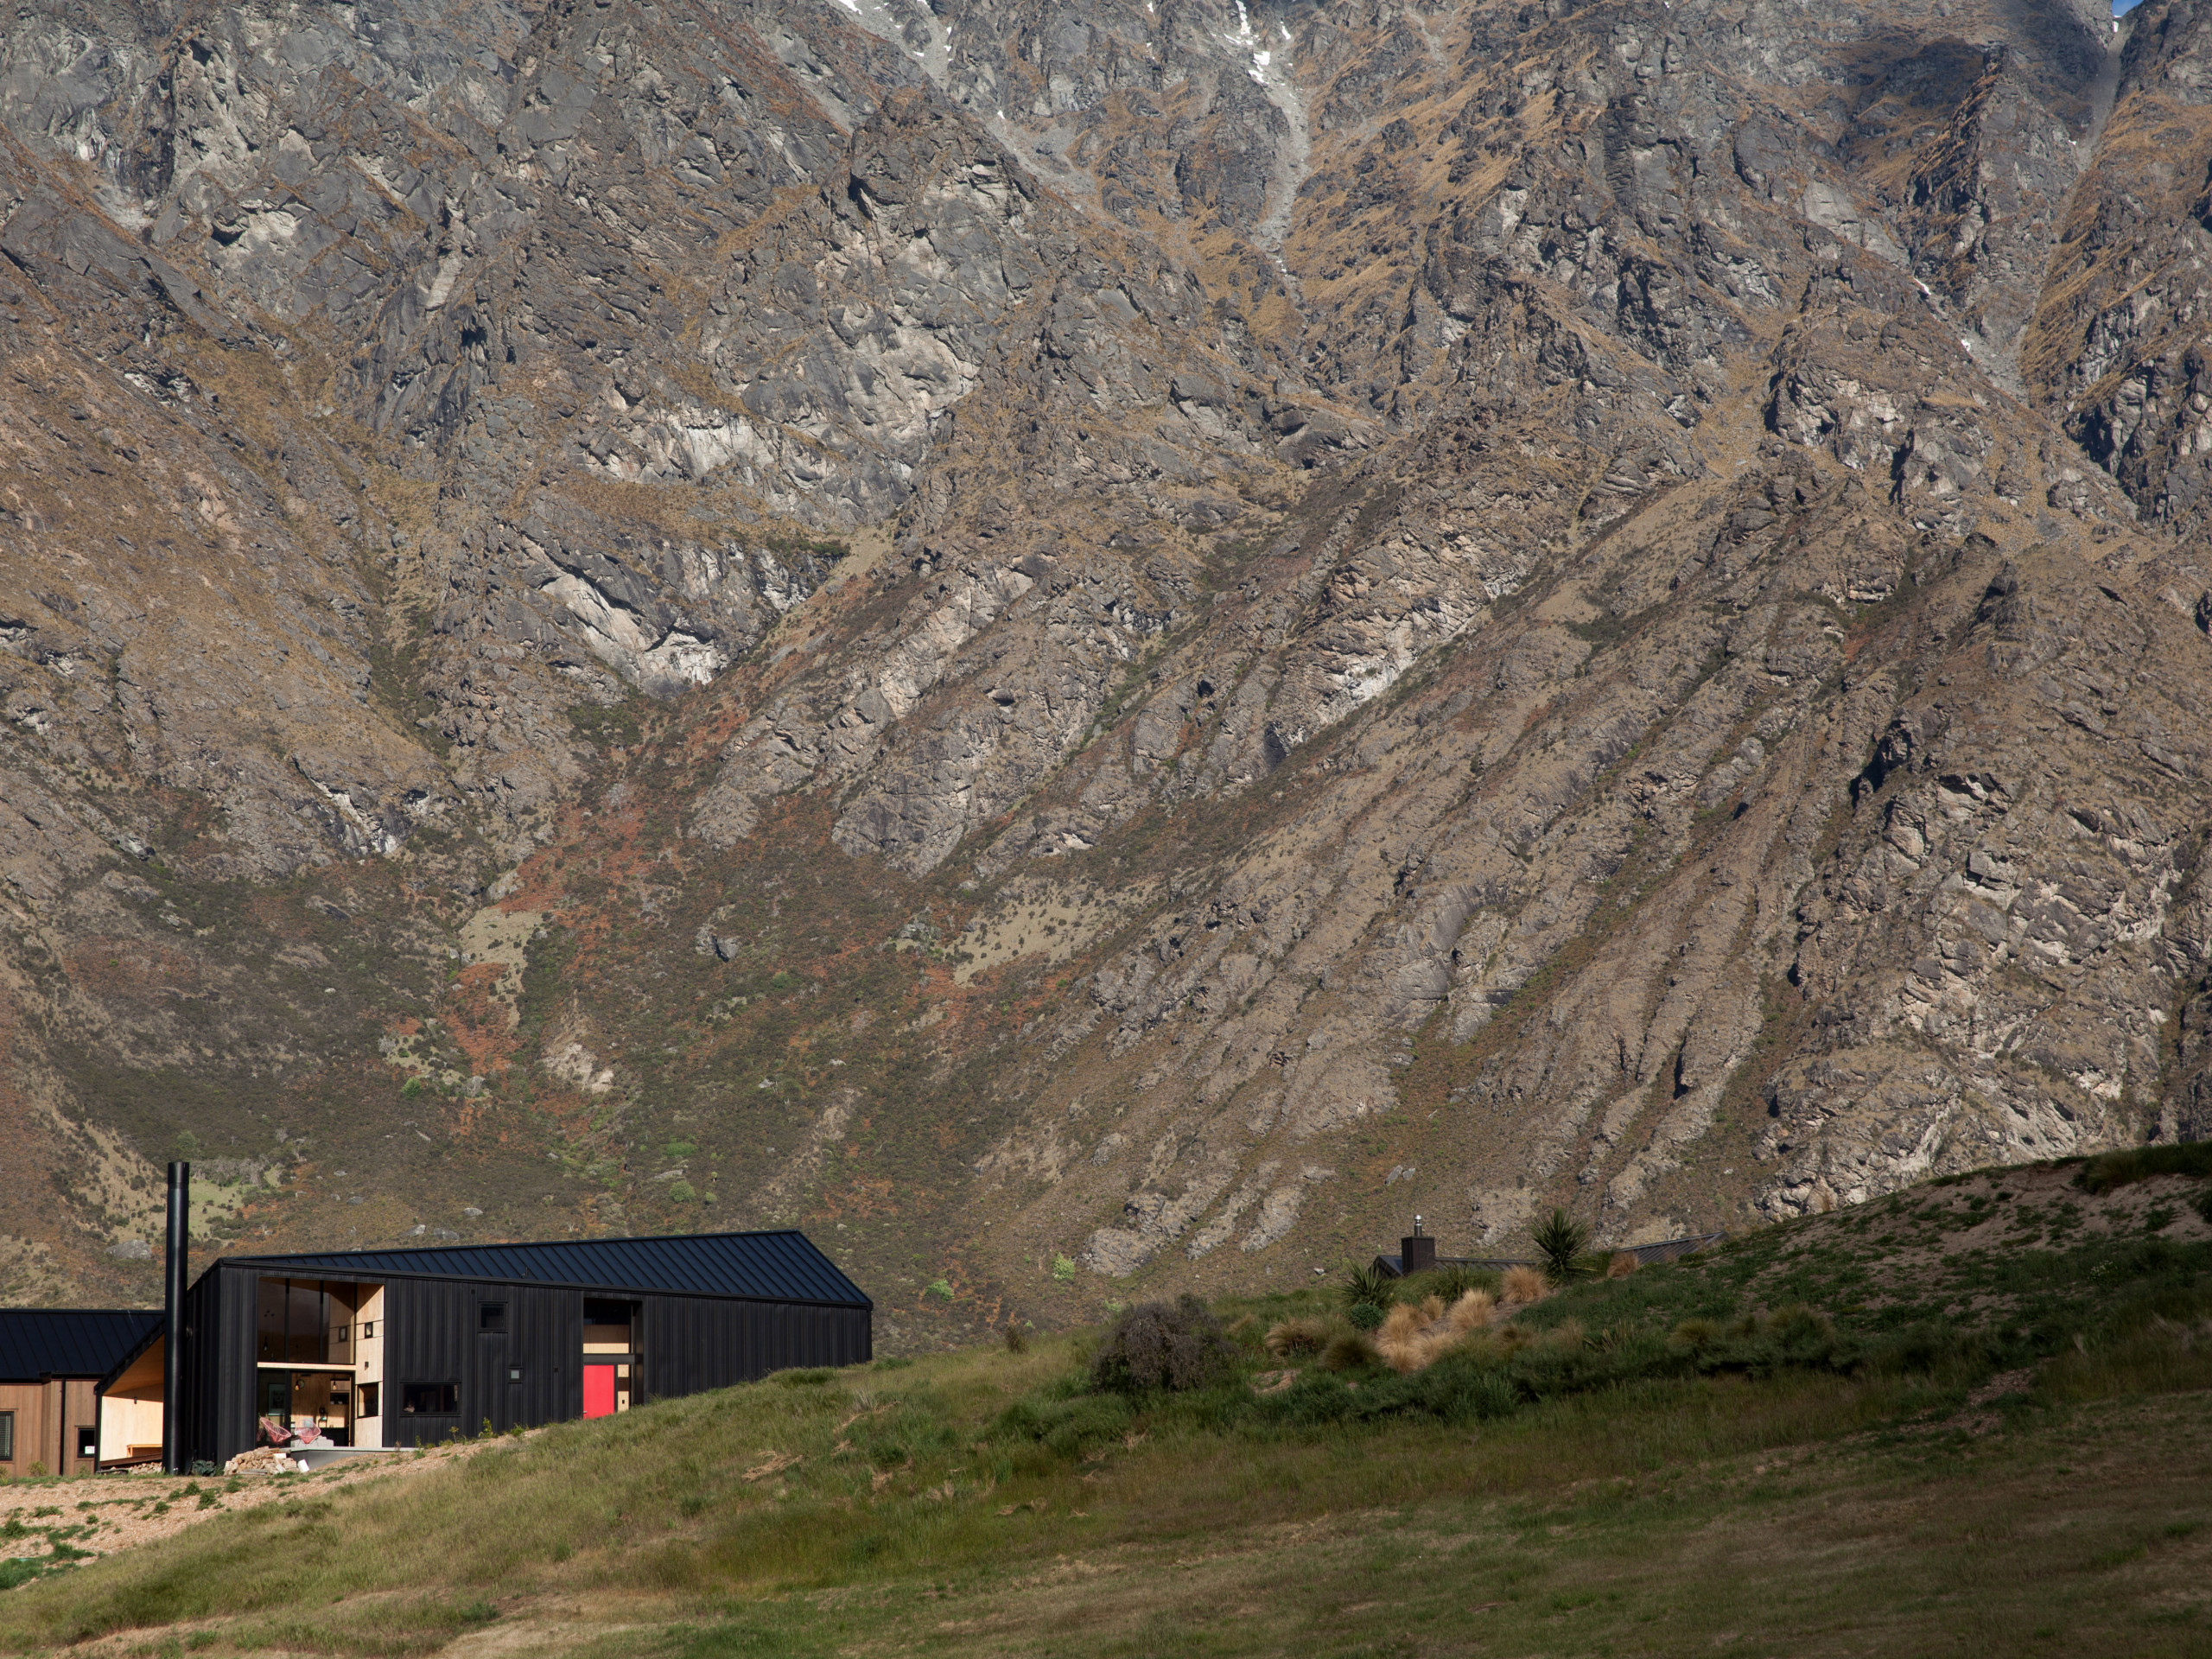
x: 1525, y: 1284
x: 1413, y: 1338
x: 1473, y: 1312
x: 1623, y: 1264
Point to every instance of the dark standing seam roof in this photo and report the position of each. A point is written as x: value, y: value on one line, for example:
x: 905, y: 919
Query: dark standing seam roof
x: 779, y: 1267
x: 36, y: 1343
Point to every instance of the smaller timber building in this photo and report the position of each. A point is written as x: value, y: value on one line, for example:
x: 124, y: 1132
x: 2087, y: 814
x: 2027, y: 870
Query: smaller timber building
x: 52, y: 1360
x: 396, y: 1348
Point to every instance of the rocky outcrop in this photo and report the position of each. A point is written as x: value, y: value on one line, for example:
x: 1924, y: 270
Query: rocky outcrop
x: 1306, y: 614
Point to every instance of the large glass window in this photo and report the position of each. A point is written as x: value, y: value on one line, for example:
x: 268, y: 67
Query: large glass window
x: 304, y: 1322
x: 307, y: 1319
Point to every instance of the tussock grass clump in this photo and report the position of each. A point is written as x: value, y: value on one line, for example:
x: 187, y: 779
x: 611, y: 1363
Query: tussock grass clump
x: 1350, y: 1350
x: 1697, y: 1334
x: 1298, y: 1339
x: 1177, y: 1346
x: 1471, y: 1311
x: 1524, y: 1285
x: 1403, y: 1342
x: 1450, y: 1283
x: 1623, y: 1264
x: 1413, y: 1338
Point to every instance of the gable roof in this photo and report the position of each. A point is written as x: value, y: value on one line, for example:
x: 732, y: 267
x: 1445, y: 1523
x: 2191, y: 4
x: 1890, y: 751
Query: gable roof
x: 773, y: 1266
x: 36, y: 1343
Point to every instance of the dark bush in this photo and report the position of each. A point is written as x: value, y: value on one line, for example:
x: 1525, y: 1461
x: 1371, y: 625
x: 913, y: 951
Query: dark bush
x: 1366, y: 1316
x: 2112, y: 1169
x: 1176, y: 1346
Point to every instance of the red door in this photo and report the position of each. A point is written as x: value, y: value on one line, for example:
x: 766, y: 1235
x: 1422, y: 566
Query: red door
x: 599, y: 1390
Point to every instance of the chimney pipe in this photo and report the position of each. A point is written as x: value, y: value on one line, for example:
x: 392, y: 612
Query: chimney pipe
x: 173, y: 1447
x: 1416, y: 1251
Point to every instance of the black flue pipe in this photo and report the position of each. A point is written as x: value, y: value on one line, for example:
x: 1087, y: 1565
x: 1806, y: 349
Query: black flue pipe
x: 173, y: 1448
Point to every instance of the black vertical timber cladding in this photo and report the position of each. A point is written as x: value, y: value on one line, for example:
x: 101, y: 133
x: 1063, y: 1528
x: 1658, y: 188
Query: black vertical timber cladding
x: 432, y: 1334
x: 216, y: 1413
x: 692, y: 1343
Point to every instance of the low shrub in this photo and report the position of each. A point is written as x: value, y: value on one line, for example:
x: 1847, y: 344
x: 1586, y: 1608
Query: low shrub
x: 1176, y: 1346
x: 1366, y: 1316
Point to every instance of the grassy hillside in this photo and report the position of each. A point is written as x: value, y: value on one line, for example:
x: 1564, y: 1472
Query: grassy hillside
x: 1970, y: 1418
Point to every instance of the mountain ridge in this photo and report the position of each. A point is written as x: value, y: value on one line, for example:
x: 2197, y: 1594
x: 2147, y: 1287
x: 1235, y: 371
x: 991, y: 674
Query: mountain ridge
x: 1030, y: 639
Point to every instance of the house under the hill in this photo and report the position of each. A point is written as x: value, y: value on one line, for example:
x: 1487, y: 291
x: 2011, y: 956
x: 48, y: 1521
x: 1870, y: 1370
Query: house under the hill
x: 394, y: 1348
x: 51, y: 1362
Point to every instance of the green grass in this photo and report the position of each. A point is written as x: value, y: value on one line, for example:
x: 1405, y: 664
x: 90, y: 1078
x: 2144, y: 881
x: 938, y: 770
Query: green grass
x: 1679, y: 1460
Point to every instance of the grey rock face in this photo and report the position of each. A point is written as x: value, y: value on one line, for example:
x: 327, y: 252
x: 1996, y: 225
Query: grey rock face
x: 1629, y: 588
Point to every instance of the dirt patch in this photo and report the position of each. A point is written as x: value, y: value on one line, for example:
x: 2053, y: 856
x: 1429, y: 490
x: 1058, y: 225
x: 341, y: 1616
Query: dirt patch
x: 103, y: 1515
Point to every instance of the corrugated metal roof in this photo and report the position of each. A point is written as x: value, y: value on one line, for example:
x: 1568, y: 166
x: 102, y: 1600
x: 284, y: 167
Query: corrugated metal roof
x: 779, y: 1267
x: 42, y: 1341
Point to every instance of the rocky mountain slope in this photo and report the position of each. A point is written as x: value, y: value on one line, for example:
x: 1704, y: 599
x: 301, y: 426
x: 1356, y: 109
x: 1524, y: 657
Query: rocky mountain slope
x: 1092, y: 649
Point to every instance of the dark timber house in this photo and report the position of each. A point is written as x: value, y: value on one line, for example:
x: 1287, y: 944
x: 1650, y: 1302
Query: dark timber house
x: 393, y: 1347
x: 51, y: 1362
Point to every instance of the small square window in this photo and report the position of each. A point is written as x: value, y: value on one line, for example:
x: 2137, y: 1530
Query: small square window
x: 514, y: 1373
x: 368, y: 1329
x: 88, y: 1442
x: 491, y: 1317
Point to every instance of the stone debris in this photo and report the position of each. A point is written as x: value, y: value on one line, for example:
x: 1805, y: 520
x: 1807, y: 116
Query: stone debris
x: 261, y: 1461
